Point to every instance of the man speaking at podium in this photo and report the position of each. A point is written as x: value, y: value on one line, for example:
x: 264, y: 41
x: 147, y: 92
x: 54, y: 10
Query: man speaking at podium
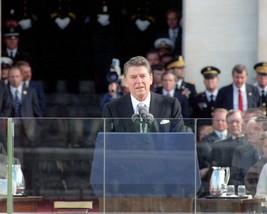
x: 142, y: 110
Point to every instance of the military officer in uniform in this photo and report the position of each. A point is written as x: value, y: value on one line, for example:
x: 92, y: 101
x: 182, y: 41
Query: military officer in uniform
x: 185, y: 88
x: 261, y: 77
x: 204, y: 102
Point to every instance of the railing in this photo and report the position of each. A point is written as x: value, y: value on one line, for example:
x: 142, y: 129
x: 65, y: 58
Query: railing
x: 117, y: 164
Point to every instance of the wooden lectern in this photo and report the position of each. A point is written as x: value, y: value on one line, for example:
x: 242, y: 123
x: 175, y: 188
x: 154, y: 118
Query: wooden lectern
x: 146, y: 204
x: 145, y: 172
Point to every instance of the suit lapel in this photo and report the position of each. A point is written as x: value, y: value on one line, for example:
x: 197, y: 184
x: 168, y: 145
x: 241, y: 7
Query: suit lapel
x: 126, y: 112
x: 156, y: 106
x: 231, y: 97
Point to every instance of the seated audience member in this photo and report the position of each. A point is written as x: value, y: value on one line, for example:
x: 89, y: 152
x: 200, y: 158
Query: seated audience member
x: 204, y: 148
x: 222, y: 151
x: 204, y: 102
x: 204, y: 131
x: 245, y: 156
x: 6, y: 63
x: 113, y: 93
x: 177, y: 66
x: 29, y: 83
x: 238, y: 95
x: 166, y: 58
x: 157, y: 71
x: 250, y: 113
x: 253, y: 174
x: 261, y: 84
x: 153, y: 57
x: 163, y: 46
x: 219, y: 126
x: 169, y: 89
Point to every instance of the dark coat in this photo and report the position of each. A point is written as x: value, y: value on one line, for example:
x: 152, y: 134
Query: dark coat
x: 166, y: 111
x: 183, y: 102
x: 40, y: 95
x: 29, y: 104
x: 177, y: 51
x: 222, y: 151
x: 202, y: 108
x: 5, y: 101
x: 225, y: 97
x: 243, y: 158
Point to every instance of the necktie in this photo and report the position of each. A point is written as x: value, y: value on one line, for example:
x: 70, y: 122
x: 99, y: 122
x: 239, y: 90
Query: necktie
x: 17, y: 104
x: 173, y: 36
x: 240, y: 100
x: 11, y: 55
x: 168, y: 94
x: 262, y: 96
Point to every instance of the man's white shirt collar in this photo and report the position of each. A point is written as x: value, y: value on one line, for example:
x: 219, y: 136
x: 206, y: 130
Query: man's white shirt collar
x: 165, y: 92
x: 146, y: 102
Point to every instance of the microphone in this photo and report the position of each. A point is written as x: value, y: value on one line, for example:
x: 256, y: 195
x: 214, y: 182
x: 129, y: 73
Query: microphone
x: 147, y: 117
x: 142, y: 111
x: 136, y: 118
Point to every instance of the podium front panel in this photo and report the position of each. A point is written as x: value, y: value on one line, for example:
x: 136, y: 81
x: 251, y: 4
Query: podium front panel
x: 145, y: 164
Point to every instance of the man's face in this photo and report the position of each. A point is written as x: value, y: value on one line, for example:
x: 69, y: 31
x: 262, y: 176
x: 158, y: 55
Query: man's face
x: 168, y: 82
x: 240, y: 79
x: 138, y: 79
x: 11, y: 43
x: 219, y: 121
x: 253, y: 132
x: 172, y: 20
x: 235, y: 123
x: 262, y: 80
x: 157, y: 76
x: 26, y: 72
x: 4, y: 73
x: 211, y: 84
x: 15, y: 77
x: 179, y: 72
x: 153, y: 58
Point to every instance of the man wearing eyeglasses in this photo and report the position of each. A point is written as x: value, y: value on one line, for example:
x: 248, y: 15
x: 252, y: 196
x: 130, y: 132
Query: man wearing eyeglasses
x: 222, y: 152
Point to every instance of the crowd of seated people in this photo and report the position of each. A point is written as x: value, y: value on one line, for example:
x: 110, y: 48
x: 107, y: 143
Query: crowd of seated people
x: 235, y: 115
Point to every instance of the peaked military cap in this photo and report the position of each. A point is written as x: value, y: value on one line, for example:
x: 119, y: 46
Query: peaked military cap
x: 261, y: 68
x: 210, y: 72
x: 176, y: 63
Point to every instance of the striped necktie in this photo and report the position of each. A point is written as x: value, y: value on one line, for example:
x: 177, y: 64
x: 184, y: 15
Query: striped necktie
x: 17, y: 104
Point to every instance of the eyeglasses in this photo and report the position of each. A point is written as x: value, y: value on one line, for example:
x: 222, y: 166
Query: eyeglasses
x: 234, y: 121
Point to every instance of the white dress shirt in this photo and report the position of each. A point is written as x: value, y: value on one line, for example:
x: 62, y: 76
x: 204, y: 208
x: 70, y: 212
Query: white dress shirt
x: 135, y: 102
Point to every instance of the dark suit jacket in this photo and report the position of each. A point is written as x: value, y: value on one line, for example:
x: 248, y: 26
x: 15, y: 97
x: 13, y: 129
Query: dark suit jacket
x: 40, y: 94
x: 244, y: 157
x: 222, y: 151
x: 29, y: 104
x: 177, y: 51
x: 5, y: 101
x: 183, y: 102
x: 20, y: 55
x: 166, y: 111
x: 202, y: 108
x: 252, y: 177
x: 225, y: 97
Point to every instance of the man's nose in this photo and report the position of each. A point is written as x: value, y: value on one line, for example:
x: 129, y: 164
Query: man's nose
x: 138, y: 79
